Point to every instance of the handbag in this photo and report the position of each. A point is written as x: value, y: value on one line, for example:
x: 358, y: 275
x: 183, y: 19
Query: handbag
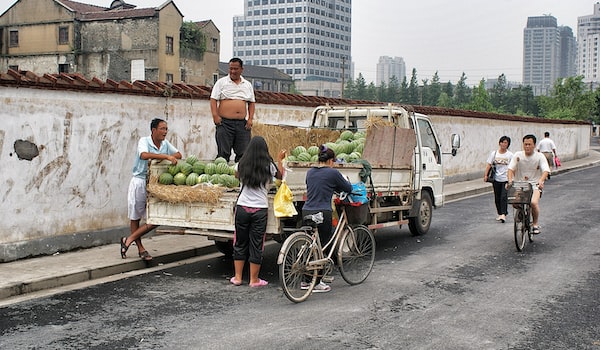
x: 492, y: 172
x: 556, y: 161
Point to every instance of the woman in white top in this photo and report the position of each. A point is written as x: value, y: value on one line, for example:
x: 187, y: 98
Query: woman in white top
x: 500, y: 159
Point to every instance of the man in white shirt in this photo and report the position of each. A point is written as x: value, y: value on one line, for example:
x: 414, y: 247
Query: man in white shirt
x: 528, y: 165
x: 547, y: 147
x: 231, y: 101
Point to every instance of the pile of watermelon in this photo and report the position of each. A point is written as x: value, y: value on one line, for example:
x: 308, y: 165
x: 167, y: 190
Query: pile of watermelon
x: 348, y: 148
x: 193, y: 171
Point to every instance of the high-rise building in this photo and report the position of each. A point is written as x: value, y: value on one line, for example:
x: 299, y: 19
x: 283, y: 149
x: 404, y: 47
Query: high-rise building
x: 541, y: 53
x: 588, y: 45
x: 568, y: 53
x: 390, y: 67
x: 310, y: 40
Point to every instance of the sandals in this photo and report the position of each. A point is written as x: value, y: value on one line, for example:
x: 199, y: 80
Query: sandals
x: 124, y: 247
x: 234, y: 282
x: 535, y: 230
x: 260, y: 283
x: 145, y: 255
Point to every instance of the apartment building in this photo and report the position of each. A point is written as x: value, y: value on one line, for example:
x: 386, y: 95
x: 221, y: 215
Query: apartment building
x: 310, y: 40
x: 120, y: 42
x: 389, y: 67
x: 549, y: 53
x: 588, y: 45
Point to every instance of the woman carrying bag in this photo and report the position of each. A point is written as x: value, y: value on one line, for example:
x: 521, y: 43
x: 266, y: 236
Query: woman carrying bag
x: 498, y: 160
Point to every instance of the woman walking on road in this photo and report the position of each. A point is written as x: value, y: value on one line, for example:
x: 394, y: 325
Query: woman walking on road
x: 500, y: 159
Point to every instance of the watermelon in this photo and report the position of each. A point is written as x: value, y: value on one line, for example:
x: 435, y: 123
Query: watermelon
x: 314, y: 158
x: 360, y: 148
x: 222, y: 168
x: 179, y: 179
x: 332, y: 146
x: 173, y: 169
x: 210, y: 168
x: 165, y: 178
x: 232, y: 170
x: 304, y: 157
x: 235, y: 183
x: 346, y: 135
x: 292, y: 158
x: 342, y: 156
x: 215, y: 179
x: 186, y: 168
x: 313, y: 150
x: 220, y: 160
x: 191, y: 160
x: 299, y: 149
x: 203, y: 178
x: 359, y: 135
x: 198, y: 167
x: 354, y: 156
x: 191, y: 179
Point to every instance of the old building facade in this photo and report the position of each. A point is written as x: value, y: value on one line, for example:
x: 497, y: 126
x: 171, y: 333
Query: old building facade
x: 120, y: 42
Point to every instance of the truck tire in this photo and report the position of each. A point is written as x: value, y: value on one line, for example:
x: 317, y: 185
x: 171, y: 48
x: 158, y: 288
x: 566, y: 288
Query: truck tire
x: 419, y: 225
x: 225, y: 247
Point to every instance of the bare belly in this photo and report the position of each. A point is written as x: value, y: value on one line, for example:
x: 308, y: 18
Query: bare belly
x: 232, y: 109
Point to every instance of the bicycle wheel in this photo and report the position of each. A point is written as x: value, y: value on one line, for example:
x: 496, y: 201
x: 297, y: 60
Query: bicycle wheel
x: 528, y: 228
x: 356, y: 254
x: 520, y: 228
x: 296, y: 252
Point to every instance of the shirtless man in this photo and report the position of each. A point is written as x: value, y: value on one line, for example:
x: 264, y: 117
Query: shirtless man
x: 231, y: 101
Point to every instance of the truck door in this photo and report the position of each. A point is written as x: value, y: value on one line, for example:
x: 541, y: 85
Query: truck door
x: 430, y: 167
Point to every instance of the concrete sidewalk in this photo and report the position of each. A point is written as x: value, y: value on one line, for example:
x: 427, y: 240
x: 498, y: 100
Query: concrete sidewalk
x: 28, y: 276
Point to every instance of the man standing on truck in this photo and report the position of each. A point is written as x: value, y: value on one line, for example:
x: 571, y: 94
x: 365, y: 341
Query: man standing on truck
x: 150, y: 147
x: 231, y: 101
x: 531, y: 166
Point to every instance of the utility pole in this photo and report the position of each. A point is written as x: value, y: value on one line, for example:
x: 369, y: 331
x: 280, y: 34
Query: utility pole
x: 343, y: 74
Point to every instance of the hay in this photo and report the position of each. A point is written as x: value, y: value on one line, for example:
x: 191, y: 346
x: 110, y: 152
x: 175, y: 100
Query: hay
x: 375, y: 122
x: 205, y: 193
x: 288, y: 137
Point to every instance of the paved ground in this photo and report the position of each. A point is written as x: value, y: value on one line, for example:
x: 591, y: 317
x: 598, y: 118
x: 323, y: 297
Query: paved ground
x: 27, y: 278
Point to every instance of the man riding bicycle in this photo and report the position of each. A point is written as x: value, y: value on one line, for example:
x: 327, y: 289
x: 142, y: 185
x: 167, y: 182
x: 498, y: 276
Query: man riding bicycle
x: 528, y: 165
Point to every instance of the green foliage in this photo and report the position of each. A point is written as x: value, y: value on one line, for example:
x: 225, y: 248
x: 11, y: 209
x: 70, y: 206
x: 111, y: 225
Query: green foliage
x: 570, y: 98
x: 192, y: 40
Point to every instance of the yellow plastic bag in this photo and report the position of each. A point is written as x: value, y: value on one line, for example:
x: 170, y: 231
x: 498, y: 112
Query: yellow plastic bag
x: 283, y: 204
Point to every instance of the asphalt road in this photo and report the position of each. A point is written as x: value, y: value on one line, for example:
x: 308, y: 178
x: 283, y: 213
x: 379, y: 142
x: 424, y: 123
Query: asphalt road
x: 461, y: 286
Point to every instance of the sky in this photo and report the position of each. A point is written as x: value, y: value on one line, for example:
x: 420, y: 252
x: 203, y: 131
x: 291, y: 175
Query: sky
x: 482, y: 38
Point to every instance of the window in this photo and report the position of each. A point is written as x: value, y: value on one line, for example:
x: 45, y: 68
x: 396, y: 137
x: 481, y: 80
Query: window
x: 13, y: 40
x: 215, y: 77
x: 169, y: 78
x: 170, y: 45
x: 63, y: 35
x: 63, y: 68
x: 214, y: 45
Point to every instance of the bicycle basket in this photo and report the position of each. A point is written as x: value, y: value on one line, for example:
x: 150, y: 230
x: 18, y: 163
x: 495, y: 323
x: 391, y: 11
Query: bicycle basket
x: 356, y: 212
x: 520, y: 193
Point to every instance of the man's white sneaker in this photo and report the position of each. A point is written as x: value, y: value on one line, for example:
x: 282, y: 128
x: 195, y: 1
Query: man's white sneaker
x: 321, y: 288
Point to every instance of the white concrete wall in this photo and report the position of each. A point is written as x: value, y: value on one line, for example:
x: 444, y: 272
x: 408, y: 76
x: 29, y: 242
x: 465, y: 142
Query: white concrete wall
x: 87, y: 141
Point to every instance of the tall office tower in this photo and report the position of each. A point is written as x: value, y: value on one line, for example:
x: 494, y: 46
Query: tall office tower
x: 541, y: 53
x: 309, y: 40
x: 390, y: 67
x: 588, y: 45
x: 568, y: 53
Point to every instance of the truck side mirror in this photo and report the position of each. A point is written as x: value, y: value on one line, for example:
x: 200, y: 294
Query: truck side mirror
x: 455, y: 143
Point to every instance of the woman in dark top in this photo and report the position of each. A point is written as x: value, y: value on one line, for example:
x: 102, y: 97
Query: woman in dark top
x: 321, y: 182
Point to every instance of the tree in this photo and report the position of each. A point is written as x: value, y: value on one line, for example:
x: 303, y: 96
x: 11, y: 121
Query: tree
x: 413, y: 89
x: 569, y: 99
x: 435, y: 90
x: 462, y: 95
x: 192, y: 42
x: 499, y: 95
x: 480, y: 100
x: 394, y: 90
x: 361, y: 88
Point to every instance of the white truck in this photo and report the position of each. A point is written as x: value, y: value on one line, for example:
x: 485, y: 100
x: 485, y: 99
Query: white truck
x: 405, y: 183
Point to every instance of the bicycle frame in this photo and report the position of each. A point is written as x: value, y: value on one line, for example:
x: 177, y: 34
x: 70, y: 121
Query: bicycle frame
x: 324, y: 261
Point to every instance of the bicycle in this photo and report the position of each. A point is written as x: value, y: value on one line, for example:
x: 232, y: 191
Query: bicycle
x: 519, y: 195
x: 302, y: 257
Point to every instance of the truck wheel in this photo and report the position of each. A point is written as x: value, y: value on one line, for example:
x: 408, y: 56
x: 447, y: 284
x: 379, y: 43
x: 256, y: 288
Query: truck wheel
x: 225, y: 247
x: 419, y: 225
